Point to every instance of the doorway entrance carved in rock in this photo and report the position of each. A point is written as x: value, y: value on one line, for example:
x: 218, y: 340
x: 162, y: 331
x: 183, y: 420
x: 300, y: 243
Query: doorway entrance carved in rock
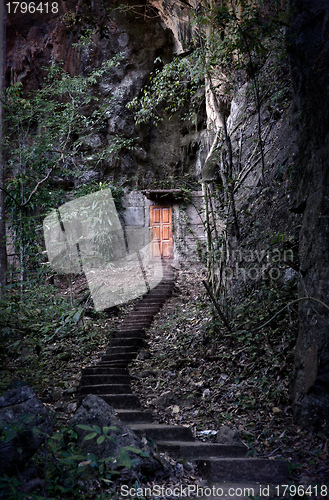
x: 161, y: 226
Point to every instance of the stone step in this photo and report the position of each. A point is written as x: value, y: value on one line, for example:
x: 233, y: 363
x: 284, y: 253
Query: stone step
x: 153, y: 308
x: 103, y: 370
x: 125, y: 358
x: 193, y: 450
x: 147, y: 302
x: 117, y: 363
x: 134, y: 416
x: 123, y: 349
x: 129, y: 341
x: 243, y: 469
x: 164, y: 291
x: 163, y: 432
x: 141, y: 315
x: 122, y: 333
x: 145, y: 309
x: 166, y: 282
x: 130, y: 329
x: 114, y: 361
x: 156, y: 299
x: 100, y: 389
x: 164, y: 286
x: 137, y: 319
x: 102, y: 378
x: 132, y: 326
x: 138, y: 322
x: 122, y: 401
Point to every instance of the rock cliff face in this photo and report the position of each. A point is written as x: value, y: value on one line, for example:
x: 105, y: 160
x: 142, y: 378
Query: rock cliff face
x: 295, y: 142
x: 308, y: 44
x: 140, y: 35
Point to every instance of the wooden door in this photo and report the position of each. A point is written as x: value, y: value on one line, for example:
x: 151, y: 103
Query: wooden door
x: 161, y: 224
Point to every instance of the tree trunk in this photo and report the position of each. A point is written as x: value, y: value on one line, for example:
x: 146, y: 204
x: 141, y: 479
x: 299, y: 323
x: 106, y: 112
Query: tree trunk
x: 3, y: 253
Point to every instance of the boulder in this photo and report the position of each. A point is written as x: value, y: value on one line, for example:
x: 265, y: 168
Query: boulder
x: 24, y: 421
x: 166, y: 399
x: 170, y: 398
x: 225, y: 435
x: 94, y: 411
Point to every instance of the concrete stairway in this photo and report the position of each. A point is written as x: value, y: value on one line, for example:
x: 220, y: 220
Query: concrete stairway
x: 110, y: 380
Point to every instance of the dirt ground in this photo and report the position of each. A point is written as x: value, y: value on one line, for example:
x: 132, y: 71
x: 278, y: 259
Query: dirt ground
x: 197, y: 376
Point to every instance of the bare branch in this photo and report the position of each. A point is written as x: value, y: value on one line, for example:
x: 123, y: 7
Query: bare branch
x: 221, y: 314
x: 37, y: 187
x: 10, y: 196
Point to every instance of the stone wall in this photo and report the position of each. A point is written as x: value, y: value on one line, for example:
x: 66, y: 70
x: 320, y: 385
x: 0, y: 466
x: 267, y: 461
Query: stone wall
x: 188, y: 233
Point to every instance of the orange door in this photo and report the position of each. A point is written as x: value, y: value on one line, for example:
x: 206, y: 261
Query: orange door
x: 161, y: 223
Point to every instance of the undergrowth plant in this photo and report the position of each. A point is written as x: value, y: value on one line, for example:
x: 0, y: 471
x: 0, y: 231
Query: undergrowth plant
x: 67, y: 470
x: 43, y: 332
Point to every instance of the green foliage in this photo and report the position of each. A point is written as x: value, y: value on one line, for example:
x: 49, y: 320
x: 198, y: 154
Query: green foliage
x: 237, y: 36
x: 68, y: 471
x: 97, y: 431
x: 88, y: 19
x: 169, y: 91
x: 43, y: 333
x: 10, y: 488
x: 116, y: 191
x: 225, y: 43
x: 50, y: 131
x: 56, y: 123
x: 8, y: 432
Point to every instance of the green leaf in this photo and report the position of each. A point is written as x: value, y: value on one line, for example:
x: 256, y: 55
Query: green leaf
x: 77, y: 316
x: 124, y: 459
x: 110, y: 428
x: 139, y: 452
x: 57, y: 436
x: 90, y: 436
x: 26, y: 419
x: 37, y: 432
x: 71, y: 459
x: 101, y: 439
x: 85, y: 427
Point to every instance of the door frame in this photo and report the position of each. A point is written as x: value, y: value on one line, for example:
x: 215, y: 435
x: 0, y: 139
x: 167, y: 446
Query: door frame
x: 164, y: 235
